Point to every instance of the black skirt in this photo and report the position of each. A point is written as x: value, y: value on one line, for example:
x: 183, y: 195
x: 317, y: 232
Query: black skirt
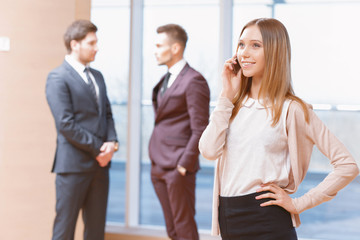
x: 242, y: 218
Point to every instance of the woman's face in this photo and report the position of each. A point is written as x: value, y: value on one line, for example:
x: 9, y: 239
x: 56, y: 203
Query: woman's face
x: 251, y: 53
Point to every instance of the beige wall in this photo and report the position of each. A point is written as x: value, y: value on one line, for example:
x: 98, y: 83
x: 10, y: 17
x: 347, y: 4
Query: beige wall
x: 27, y: 132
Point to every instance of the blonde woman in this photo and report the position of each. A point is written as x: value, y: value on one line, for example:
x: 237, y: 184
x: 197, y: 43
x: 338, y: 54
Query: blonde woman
x: 262, y: 137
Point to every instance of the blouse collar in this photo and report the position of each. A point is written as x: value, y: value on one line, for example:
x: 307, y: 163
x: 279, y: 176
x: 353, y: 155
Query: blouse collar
x: 249, y: 102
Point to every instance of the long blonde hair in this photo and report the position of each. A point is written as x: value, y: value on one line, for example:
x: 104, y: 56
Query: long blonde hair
x: 276, y: 85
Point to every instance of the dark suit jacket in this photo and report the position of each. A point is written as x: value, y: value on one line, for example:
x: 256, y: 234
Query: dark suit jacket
x: 81, y: 126
x: 180, y: 118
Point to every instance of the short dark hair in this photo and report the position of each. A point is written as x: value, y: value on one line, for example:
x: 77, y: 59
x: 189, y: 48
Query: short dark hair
x: 175, y: 32
x: 78, y: 31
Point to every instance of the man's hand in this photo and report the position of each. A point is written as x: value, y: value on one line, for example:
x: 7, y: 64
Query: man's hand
x: 181, y: 170
x: 106, y: 153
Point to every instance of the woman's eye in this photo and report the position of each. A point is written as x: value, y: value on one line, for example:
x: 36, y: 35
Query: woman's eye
x: 241, y: 45
x: 256, y: 45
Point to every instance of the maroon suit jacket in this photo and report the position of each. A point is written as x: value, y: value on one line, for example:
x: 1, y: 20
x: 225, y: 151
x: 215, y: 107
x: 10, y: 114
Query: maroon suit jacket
x: 180, y: 118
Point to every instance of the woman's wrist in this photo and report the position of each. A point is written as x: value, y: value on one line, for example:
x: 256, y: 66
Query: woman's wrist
x: 227, y: 95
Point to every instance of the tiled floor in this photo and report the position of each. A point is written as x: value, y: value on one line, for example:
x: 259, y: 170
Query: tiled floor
x: 338, y: 219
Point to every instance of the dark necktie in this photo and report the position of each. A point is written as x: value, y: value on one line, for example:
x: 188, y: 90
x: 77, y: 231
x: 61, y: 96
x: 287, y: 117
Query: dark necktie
x: 91, y: 85
x: 165, y: 83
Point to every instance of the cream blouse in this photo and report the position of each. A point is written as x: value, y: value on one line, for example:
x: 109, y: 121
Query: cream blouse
x: 255, y: 152
x: 301, y: 137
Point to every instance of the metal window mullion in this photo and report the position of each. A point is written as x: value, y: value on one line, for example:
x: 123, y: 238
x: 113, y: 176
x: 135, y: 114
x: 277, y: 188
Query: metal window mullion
x: 225, y: 34
x: 226, y: 25
x: 134, y: 115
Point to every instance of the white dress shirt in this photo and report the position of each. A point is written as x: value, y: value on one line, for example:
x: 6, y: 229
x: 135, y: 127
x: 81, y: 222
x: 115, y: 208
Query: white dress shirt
x: 79, y: 68
x: 175, y: 71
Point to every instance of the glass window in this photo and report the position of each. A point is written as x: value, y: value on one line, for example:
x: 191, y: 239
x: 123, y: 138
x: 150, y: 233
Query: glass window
x: 245, y: 11
x: 200, y: 19
x: 324, y: 71
x: 324, y: 61
x: 113, y: 21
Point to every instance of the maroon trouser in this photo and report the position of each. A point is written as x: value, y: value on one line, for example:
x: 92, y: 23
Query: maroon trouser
x: 177, y: 198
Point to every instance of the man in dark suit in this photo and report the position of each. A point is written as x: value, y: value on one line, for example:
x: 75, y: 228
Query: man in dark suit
x: 86, y: 137
x: 181, y: 104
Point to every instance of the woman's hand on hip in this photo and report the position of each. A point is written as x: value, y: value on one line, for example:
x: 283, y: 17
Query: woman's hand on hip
x: 279, y: 196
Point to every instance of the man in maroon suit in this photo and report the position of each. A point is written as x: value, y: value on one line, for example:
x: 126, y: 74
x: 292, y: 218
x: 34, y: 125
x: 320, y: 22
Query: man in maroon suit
x: 181, y: 104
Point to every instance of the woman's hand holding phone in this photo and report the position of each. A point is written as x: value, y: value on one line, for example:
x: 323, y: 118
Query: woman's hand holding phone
x: 231, y: 78
x: 236, y: 66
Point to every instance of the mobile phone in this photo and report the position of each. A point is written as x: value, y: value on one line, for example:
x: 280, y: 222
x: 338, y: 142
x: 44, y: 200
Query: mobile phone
x: 236, y: 67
